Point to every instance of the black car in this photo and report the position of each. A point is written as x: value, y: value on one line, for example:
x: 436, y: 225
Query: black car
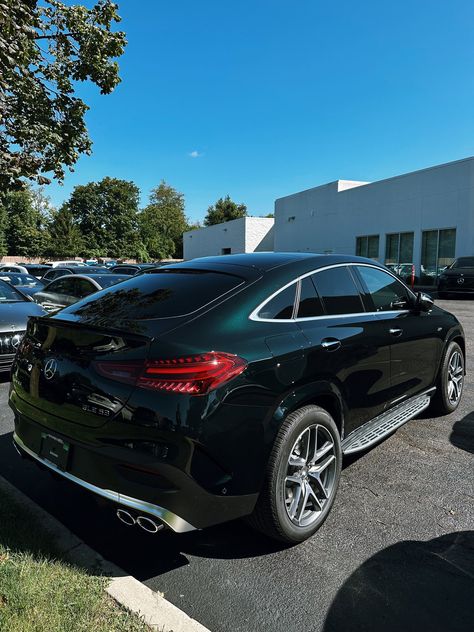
x: 231, y: 386
x: 55, y: 273
x: 36, y: 269
x: 132, y: 268
x: 457, y: 278
x: 26, y: 283
x: 15, y: 309
x: 69, y: 289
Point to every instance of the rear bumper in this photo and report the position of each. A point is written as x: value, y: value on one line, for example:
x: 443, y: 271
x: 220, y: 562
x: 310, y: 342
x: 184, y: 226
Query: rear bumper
x: 173, y: 521
x: 131, y: 479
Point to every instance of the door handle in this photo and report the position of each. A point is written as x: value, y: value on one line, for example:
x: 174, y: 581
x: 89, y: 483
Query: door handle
x: 330, y: 344
x: 396, y: 332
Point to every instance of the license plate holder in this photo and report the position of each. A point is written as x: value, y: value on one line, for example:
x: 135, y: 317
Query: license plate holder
x: 55, y: 450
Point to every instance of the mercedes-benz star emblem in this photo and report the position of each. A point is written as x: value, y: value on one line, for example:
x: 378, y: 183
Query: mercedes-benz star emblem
x: 460, y: 280
x: 50, y: 369
x: 16, y: 341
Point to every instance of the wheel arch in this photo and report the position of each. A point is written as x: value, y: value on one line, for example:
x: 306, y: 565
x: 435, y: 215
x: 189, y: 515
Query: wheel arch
x: 323, y: 393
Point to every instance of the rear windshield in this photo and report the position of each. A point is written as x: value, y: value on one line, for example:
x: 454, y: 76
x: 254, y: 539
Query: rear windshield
x: 463, y: 262
x: 158, y: 294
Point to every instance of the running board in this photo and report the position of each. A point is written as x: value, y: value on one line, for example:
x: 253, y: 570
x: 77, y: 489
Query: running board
x: 381, y: 426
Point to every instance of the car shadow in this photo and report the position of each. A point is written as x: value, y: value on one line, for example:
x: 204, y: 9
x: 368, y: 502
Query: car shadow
x: 410, y: 586
x: 462, y: 435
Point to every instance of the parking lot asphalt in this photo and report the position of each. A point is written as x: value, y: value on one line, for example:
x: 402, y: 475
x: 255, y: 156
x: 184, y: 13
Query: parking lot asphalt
x: 396, y: 553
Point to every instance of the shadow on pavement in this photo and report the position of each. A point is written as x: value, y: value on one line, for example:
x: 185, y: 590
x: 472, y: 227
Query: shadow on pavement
x: 462, y: 435
x: 410, y: 587
x: 93, y: 520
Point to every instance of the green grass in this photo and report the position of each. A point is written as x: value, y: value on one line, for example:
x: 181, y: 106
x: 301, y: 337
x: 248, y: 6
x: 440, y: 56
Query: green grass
x: 41, y: 592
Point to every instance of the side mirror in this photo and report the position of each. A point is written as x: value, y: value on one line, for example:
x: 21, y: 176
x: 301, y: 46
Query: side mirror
x: 424, y: 302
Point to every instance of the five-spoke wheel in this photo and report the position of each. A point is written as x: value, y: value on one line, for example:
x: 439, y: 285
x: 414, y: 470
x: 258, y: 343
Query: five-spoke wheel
x: 302, y: 476
x: 311, y: 474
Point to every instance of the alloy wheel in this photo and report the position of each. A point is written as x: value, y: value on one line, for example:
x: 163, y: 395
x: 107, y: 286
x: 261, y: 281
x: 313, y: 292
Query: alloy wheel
x: 455, y: 377
x: 311, y: 475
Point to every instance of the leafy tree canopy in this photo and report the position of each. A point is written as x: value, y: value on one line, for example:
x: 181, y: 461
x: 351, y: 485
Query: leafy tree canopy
x: 163, y: 222
x: 45, y: 47
x: 106, y: 213
x: 224, y: 210
x: 26, y: 232
x: 65, y: 235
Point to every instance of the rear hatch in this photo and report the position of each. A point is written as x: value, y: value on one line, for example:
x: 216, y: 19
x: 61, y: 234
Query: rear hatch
x: 62, y: 367
x: 58, y: 370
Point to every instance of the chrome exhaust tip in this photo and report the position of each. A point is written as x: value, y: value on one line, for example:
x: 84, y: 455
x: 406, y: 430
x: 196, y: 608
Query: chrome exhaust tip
x: 148, y: 524
x: 125, y: 517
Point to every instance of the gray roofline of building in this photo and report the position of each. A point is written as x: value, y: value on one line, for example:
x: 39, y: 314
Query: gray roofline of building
x: 366, y: 184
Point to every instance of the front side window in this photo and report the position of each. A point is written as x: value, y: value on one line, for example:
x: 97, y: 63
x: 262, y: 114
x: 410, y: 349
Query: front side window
x: 62, y: 286
x: 386, y: 292
x: 338, y: 291
x: 280, y: 306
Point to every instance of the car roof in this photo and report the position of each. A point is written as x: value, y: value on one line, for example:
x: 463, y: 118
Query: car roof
x: 247, y: 264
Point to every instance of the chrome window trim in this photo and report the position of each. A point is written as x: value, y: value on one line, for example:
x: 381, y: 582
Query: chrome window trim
x: 254, y: 314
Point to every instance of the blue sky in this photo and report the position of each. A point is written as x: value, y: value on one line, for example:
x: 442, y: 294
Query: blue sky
x: 261, y: 98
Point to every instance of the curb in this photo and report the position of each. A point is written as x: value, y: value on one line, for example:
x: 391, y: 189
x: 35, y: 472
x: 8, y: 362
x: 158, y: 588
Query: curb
x: 151, y: 607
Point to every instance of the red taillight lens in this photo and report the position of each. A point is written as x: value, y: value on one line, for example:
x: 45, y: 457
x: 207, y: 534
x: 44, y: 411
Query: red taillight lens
x: 196, y: 374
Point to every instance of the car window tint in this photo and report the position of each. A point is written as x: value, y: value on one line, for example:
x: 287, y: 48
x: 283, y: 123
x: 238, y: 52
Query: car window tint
x: 8, y: 293
x: 387, y: 293
x: 338, y: 291
x: 158, y: 295
x: 281, y: 305
x: 83, y: 287
x: 309, y: 303
x: 62, y: 286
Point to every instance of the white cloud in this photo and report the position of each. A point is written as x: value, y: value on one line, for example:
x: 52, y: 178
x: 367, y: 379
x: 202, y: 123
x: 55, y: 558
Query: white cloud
x: 195, y: 154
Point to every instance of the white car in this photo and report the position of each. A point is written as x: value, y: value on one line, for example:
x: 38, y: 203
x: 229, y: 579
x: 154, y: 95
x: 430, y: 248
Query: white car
x: 56, y: 264
x: 13, y: 268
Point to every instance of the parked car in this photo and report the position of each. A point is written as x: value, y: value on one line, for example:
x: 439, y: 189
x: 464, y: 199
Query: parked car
x: 26, y: 283
x: 62, y: 264
x: 71, y: 288
x: 457, y: 278
x: 13, y: 268
x: 133, y: 268
x: 232, y: 386
x: 15, y: 309
x: 55, y: 273
x: 36, y: 269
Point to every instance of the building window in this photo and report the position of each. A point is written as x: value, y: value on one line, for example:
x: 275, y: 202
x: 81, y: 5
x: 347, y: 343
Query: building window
x: 399, y: 249
x: 437, y: 251
x: 226, y: 251
x: 368, y: 246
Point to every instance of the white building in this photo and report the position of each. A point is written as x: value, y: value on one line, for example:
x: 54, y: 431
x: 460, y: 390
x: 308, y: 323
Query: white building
x: 246, y: 234
x: 425, y: 217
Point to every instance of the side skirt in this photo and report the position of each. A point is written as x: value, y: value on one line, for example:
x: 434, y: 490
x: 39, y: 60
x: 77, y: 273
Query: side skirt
x: 382, y: 425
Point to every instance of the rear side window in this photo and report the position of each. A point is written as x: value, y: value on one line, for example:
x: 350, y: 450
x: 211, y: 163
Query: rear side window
x: 83, y: 287
x: 310, y: 304
x: 338, y: 291
x: 161, y: 294
x: 281, y: 305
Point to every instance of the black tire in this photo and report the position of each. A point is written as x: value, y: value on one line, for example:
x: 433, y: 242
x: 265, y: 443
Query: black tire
x: 442, y: 402
x: 272, y: 514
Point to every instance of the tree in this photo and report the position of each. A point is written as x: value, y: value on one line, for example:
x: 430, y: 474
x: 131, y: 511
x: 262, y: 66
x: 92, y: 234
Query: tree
x: 65, y: 235
x: 163, y: 222
x: 106, y: 213
x: 224, y: 210
x: 46, y: 46
x: 26, y: 232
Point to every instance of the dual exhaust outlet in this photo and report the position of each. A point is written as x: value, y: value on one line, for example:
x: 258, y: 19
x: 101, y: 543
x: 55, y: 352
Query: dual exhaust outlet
x: 145, y: 522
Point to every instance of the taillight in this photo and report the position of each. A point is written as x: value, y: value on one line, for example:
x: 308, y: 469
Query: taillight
x: 195, y: 374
